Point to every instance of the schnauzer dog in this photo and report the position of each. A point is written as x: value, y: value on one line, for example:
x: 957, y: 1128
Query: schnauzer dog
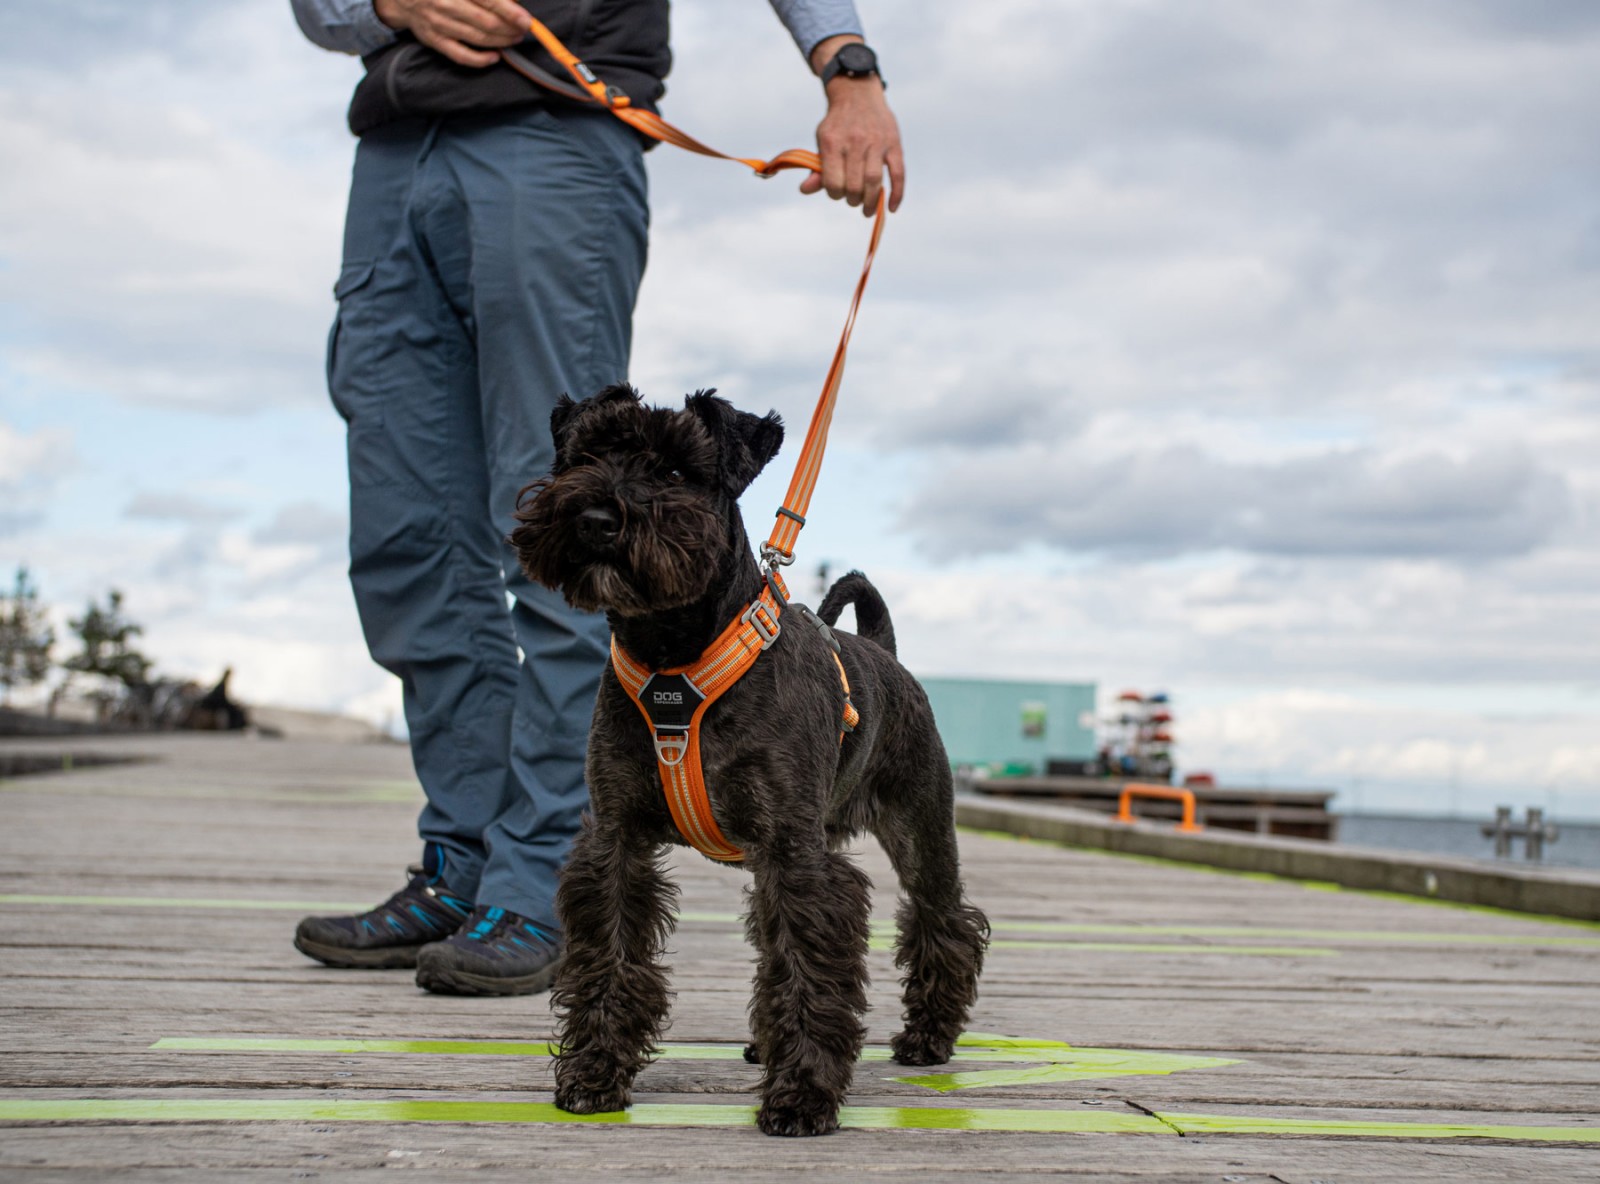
x: 639, y: 517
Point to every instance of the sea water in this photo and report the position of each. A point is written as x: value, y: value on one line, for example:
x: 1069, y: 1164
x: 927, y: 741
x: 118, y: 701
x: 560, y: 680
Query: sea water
x: 1578, y: 845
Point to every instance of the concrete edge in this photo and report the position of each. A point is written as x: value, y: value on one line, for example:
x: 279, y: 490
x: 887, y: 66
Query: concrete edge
x: 1572, y: 894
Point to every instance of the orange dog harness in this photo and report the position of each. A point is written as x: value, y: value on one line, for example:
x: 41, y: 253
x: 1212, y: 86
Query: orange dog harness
x: 675, y: 701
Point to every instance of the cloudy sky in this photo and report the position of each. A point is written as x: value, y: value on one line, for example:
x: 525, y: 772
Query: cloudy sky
x: 1249, y: 351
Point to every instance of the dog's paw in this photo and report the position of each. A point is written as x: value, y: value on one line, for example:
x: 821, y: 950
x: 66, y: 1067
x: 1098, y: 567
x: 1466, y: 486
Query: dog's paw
x: 590, y: 1101
x: 919, y: 1048
x: 752, y: 1055
x: 821, y: 1118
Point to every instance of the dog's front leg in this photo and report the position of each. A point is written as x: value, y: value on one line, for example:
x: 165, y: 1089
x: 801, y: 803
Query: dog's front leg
x: 617, y: 909
x: 808, y: 922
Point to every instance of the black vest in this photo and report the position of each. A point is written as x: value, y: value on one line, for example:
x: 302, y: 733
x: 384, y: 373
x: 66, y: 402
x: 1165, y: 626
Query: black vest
x: 625, y: 41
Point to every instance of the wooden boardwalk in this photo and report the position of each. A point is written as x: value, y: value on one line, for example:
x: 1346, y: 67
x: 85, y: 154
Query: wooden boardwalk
x: 1138, y: 1020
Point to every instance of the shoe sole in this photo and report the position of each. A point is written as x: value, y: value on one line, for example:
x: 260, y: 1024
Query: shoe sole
x: 451, y: 980
x: 383, y: 958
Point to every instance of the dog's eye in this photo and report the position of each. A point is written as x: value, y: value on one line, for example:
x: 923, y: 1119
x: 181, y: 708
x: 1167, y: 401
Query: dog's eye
x: 676, y: 477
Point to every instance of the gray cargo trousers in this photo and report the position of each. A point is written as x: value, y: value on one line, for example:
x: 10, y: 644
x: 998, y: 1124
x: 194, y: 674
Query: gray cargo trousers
x: 491, y: 263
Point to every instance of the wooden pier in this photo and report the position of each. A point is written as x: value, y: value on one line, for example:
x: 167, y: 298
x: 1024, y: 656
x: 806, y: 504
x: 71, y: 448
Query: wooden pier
x: 1138, y: 1019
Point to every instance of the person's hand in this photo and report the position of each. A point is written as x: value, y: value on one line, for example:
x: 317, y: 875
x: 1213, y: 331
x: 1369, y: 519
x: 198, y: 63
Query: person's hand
x: 459, y: 29
x: 858, y: 139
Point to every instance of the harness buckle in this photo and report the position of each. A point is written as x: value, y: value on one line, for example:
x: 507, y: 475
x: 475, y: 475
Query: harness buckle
x: 812, y: 618
x: 764, y: 621
x: 671, y: 749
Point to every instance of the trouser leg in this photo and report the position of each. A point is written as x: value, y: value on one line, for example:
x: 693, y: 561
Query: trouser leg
x: 543, y: 261
x: 424, y: 556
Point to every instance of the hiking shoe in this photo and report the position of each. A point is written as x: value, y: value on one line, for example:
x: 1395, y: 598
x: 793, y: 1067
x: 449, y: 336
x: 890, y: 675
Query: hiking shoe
x: 495, y: 952
x: 390, y: 935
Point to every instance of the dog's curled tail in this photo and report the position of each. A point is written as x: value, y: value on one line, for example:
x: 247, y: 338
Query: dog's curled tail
x: 872, y: 615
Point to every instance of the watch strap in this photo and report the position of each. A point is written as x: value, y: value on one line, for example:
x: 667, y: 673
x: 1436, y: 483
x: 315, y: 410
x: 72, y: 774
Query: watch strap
x: 835, y: 67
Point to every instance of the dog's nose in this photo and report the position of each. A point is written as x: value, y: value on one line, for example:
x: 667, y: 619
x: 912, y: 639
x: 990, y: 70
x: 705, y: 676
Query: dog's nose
x: 599, y: 525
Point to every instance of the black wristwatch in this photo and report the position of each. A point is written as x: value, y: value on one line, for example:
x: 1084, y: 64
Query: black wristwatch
x: 853, y: 60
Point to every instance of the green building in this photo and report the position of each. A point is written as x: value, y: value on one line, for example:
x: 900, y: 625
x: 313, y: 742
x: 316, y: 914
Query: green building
x: 1013, y: 727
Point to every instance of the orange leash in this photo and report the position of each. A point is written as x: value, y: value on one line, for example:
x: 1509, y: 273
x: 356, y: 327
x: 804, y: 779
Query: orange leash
x: 778, y: 550
x: 673, y: 702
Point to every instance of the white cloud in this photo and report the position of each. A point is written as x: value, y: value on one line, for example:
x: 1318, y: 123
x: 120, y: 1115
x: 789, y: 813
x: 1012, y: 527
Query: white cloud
x: 31, y: 464
x: 1398, y: 759
x: 168, y: 241
x: 1172, y: 498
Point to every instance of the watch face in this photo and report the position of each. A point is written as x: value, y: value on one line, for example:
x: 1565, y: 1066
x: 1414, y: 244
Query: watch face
x: 855, y: 58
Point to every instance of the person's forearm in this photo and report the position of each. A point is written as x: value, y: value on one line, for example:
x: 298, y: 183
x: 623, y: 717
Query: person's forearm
x: 346, y: 26
x: 812, y: 22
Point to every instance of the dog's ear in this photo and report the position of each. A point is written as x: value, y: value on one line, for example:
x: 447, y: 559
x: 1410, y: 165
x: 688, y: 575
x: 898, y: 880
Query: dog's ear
x: 745, y: 442
x: 561, y: 420
x: 567, y: 410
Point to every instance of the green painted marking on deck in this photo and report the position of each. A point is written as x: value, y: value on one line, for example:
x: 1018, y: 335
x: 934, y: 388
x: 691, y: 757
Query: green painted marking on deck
x: 333, y: 795
x: 1347, y: 935
x: 642, y: 1114
x: 1130, y: 947
x: 93, y: 1110
x: 883, y: 929
x: 1071, y: 1064
x: 991, y: 1050
x: 484, y: 1048
x: 991, y: 1040
x: 190, y: 902
x: 1234, y: 1124
x: 183, y: 902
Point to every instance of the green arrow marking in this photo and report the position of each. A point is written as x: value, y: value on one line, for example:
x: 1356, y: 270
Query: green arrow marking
x: 1070, y: 1064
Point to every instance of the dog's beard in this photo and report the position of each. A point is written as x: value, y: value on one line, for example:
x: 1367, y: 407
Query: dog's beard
x: 665, y: 555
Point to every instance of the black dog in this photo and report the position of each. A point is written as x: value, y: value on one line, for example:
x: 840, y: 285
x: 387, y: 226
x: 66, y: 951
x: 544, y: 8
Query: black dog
x: 639, y: 517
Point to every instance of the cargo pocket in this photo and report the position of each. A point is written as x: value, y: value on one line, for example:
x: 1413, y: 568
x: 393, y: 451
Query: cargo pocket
x: 353, y: 277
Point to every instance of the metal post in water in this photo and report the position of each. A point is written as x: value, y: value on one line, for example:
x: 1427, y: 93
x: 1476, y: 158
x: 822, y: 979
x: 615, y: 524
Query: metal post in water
x: 1500, y: 831
x: 1538, y: 833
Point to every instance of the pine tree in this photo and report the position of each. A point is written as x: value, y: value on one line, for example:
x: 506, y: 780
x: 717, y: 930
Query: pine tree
x: 25, y: 637
x: 107, y: 650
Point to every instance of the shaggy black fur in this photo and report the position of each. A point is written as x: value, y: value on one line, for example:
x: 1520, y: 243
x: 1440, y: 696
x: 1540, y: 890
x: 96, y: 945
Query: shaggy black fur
x: 640, y: 517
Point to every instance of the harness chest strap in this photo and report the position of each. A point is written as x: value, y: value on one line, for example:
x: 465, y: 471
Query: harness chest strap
x: 673, y: 703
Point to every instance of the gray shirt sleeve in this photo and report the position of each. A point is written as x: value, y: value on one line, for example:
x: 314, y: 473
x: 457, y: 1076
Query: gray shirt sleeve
x: 348, y: 26
x: 811, y: 21
x: 351, y: 26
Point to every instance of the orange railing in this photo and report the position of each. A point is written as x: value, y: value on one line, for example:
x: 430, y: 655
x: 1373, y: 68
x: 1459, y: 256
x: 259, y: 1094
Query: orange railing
x: 1129, y: 791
